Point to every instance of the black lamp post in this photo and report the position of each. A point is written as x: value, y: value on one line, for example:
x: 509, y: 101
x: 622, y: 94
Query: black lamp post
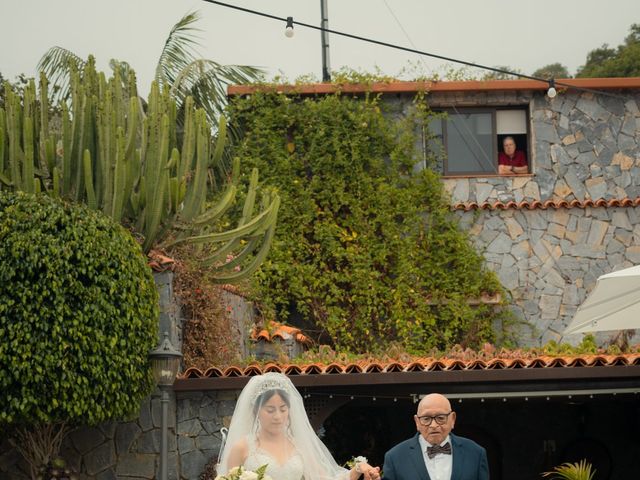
x: 165, y: 362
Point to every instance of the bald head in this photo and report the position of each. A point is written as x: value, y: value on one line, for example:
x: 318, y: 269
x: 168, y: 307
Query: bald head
x: 434, y: 400
x: 432, y: 406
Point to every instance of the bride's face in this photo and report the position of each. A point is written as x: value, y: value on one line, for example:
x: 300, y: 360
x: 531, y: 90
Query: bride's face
x: 274, y: 415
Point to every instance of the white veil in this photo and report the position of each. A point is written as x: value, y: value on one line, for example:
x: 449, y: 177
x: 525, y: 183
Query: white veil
x: 318, y: 462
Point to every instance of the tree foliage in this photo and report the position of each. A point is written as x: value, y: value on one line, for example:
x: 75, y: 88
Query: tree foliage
x: 367, y: 251
x: 491, y: 75
x: 623, y: 61
x: 78, y: 314
x: 553, y: 70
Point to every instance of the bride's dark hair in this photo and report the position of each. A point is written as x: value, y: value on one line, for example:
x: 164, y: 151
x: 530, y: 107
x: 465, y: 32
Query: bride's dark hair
x: 266, y: 396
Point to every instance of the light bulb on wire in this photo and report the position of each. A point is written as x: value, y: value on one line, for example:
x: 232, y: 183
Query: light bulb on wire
x: 288, y: 31
x: 551, y: 93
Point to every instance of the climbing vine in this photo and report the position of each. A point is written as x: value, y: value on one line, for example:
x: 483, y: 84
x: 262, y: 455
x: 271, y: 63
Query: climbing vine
x: 366, y: 249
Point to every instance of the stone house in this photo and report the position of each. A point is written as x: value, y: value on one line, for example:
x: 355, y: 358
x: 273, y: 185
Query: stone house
x: 551, y: 232
x: 548, y: 234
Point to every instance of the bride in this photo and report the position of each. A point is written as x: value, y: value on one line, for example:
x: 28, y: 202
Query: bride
x: 270, y: 427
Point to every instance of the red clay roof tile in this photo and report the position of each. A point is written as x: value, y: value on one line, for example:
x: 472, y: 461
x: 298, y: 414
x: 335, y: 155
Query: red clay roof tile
x: 424, y: 364
x: 159, y: 262
x: 281, y: 331
x: 536, y: 204
x: 430, y: 86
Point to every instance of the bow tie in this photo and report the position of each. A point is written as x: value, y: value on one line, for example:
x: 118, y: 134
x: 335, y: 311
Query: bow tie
x: 436, y: 449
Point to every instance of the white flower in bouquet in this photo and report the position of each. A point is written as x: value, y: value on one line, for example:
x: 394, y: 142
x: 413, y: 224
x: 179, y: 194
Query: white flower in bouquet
x: 239, y: 473
x: 249, y: 475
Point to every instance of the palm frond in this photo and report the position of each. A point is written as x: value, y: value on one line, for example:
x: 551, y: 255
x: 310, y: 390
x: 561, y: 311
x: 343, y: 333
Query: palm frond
x: 56, y: 64
x: 207, y: 81
x: 178, y: 50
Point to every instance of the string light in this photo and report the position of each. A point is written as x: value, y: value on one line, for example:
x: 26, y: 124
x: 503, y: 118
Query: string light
x: 288, y: 31
x: 551, y: 92
x: 502, y: 397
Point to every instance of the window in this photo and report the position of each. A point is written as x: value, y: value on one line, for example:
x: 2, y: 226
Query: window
x: 472, y: 138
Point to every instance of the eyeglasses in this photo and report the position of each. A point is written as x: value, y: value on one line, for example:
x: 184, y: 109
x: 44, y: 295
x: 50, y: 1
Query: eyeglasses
x: 440, y: 419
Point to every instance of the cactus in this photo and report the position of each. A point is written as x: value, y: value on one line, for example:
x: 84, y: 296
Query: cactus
x: 133, y: 165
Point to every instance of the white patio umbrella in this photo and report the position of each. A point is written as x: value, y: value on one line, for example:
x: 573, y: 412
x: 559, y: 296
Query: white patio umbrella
x: 614, y: 304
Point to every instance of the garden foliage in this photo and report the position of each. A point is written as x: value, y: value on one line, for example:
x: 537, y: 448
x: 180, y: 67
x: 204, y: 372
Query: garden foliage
x: 367, y: 248
x: 78, y: 314
x: 135, y: 163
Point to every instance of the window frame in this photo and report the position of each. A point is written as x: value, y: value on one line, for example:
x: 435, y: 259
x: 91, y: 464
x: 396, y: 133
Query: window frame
x: 495, y: 147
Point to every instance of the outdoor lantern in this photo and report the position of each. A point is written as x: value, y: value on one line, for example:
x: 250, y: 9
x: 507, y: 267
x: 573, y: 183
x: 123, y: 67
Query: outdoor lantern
x: 166, y: 362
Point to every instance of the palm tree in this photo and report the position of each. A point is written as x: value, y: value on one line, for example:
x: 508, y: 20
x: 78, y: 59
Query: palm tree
x: 179, y: 67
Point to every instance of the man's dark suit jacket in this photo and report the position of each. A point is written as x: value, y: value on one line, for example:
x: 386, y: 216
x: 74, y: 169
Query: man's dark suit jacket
x: 406, y: 462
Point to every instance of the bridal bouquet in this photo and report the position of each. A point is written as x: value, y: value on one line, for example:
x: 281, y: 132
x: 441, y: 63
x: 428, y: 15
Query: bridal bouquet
x: 239, y: 473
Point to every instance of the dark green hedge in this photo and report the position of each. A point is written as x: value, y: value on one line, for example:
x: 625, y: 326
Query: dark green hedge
x: 78, y: 314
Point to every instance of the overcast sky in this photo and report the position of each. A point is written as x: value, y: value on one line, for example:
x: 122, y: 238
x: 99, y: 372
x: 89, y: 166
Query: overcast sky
x: 522, y: 34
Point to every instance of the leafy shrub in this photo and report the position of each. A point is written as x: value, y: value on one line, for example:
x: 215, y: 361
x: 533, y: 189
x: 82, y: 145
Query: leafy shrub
x: 366, y: 249
x: 78, y: 314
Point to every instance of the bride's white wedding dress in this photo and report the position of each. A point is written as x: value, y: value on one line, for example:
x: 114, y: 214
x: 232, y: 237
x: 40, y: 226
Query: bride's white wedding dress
x: 310, y: 459
x: 292, y: 469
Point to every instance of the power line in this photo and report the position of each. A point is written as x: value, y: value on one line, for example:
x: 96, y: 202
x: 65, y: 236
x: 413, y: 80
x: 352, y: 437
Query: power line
x: 550, y: 82
x: 405, y: 33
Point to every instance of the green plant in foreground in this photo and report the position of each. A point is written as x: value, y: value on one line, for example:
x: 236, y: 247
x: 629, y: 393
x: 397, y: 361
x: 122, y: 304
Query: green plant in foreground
x: 581, y: 470
x: 78, y: 316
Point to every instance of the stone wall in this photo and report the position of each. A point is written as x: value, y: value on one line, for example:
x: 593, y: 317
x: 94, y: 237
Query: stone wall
x: 550, y: 259
x: 583, y: 147
x: 200, y: 417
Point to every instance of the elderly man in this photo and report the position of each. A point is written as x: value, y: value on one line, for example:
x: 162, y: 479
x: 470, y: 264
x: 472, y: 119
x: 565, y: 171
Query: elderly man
x: 434, y: 453
x: 511, y: 160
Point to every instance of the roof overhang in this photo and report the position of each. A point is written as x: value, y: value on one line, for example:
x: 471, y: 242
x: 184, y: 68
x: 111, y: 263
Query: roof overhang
x: 444, y: 87
x: 456, y: 383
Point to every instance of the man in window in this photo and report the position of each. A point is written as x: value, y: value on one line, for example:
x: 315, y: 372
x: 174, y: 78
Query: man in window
x: 511, y: 161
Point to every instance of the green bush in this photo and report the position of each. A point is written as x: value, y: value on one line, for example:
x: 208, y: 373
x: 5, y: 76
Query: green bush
x: 78, y: 314
x: 366, y: 249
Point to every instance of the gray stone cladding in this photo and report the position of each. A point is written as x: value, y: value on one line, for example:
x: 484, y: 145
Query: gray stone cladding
x: 582, y: 146
x: 127, y: 450
x: 200, y: 417
x: 549, y: 260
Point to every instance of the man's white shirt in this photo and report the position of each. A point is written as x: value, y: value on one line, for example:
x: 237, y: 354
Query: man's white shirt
x: 440, y: 466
